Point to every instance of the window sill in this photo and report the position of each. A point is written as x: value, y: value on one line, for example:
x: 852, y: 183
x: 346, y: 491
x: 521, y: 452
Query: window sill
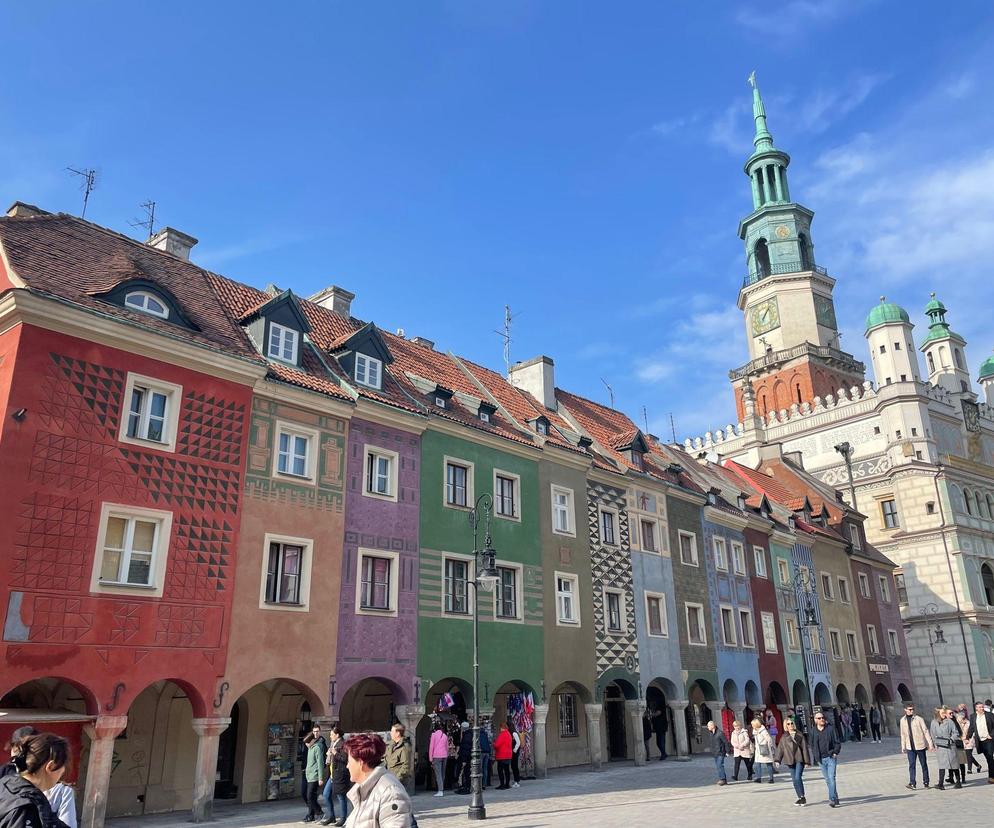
x: 698, y: 643
x: 377, y: 610
x: 690, y: 563
x: 126, y: 585
x: 458, y: 507
x: 564, y: 533
x: 515, y: 518
x: 370, y: 387
x: 566, y: 622
x: 658, y: 635
x: 306, y: 478
x: 391, y: 498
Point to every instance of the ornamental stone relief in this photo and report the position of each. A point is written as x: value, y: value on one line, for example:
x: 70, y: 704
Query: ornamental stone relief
x: 838, y: 477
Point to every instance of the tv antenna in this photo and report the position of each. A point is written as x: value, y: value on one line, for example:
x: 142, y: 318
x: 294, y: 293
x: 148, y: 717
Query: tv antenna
x: 645, y: 420
x: 610, y: 391
x: 506, y: 336
x: 673, y: 428
x: 149, y: 221
x: 88, y: 182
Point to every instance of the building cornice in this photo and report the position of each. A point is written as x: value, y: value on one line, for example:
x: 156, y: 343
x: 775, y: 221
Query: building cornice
x: 303, y: 398
x: 686, y: 495
x: 566, y: 458
x: 713, y: 515
x: 367, y: 409
x: 473, y: 435
x: 23, y: 307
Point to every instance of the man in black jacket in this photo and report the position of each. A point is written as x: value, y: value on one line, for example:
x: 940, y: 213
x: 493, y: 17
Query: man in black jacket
x: 824, y: 748
x: 982, y: 732
x: 720, y: 748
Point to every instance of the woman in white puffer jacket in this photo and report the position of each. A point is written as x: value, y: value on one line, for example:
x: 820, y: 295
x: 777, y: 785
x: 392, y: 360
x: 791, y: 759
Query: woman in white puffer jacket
x: 764, y: 750
x: 741, y: 750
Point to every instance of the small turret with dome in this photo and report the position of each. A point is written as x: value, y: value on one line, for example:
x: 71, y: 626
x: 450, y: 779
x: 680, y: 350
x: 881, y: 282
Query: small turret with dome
x: 987, y: 378
x: 892, y: 349
x: 945, y: 351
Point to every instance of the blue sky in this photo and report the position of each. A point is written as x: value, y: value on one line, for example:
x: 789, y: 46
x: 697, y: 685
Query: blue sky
x: 581, y: 162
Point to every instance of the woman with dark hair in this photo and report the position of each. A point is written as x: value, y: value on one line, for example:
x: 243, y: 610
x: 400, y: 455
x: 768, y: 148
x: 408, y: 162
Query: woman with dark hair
x: 378, y: 798
x: 41, y: 760
x: 338, y: 760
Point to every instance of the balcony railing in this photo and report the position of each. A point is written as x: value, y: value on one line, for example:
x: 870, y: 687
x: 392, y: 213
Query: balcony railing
x: 826, y: 352
x: 777, y: 269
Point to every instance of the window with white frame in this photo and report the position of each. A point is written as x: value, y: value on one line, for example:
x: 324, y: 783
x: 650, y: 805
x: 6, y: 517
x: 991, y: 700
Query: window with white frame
x: 728, y: 637
x: 506, y: 593
x: 655, y: 615
x: 296, y: 451
x: 696, y: 631
x: 884, y: 589
x: 784, y: 571
x: 854, y: 535
x: 647, y: 531
x: 738, y: 558
x: 506, y: 495
x: 284, y: 568
x: 720, y: 554
x: 283, y: 343
x: 844, y: 595
x: 568, y: 722
x: 748, y: 630
x: 567, y: 601
x: 835, y: 642
x: 688, y: 548
x: 381, y: 473
x: 892, y: 641
x: 456, y: 586
x: 864, y: 584
x: 759, y: 561
x: 888, y: 512
x: 608, y: 521
x: 151, y: 412
x: 614, y: 601
x: 852, y: 645
x: 132, y: 548
x: 826, y: 587
x: 376, y: 585
x: 769, y: 632
x: 562, y: 511
x: 368, y: 371
x: 458, y: 483
x: 146, y: 302
x: 793, y: 636
x: 871, y: 636
x: 814, y: 636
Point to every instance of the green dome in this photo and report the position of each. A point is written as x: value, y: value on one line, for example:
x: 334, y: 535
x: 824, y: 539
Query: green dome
x: 934, y: 306
x: 987, y: 368
x: 886, y: 312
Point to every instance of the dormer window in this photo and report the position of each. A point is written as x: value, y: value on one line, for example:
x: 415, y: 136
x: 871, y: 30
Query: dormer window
x: 712, y: 498
x: 283, y: 343
x: 369, y: 371
x: 636, y: 457
x: 485, y: 416
x: 741, y: 502
x: 542, y: 426
x: 485, y: 412
x: 142, y: 300
x: 792, y: 523
x: 440, y: 402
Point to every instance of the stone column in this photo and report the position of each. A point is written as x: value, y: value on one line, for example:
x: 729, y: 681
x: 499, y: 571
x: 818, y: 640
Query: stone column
x: 594, y: 713
x: 102, y: 734
x: 634, y: 710
x: 208, y: 732
x: 410, y: 716
x: 539, y: 719
x: 680, y: 740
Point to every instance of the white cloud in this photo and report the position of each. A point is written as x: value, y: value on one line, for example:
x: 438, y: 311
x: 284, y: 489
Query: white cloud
x: 732, y: 130
x: 797, y: 16
x: 824, y: 106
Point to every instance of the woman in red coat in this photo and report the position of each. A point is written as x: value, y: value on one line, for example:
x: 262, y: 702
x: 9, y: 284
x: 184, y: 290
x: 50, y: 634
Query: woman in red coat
x: 502, y: 753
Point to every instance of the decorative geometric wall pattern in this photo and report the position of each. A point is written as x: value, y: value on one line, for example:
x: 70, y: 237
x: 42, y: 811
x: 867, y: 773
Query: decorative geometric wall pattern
x: 198, y: 565
x: 211, y: 428
x: 82, y: 398
x: 53, y: 543
x: 83, y: 465
x: 59, y: 619
x: 611, y: 566
x: 180, y: 626
x: 184, y: 482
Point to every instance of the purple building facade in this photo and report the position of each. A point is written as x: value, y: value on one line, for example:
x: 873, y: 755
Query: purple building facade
x: 375, y: 671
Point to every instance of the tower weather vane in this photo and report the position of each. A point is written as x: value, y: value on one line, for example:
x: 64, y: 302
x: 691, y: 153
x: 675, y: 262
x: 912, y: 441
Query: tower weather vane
x: 752, y: 79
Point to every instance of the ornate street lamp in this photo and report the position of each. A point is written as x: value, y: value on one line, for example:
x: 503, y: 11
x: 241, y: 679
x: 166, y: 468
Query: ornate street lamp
x: 807, y: 618
x: 936, y: 637
x: 485, y: 575
x: 846, y: 450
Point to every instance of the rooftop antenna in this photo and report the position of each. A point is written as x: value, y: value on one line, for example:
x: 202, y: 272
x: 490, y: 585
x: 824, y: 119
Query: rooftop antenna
x: 88, y: 182
x: 673, y: 428
x: 645, y: 420
x: 506, y: 336
x: 610, y: 390
x: 149, y: 221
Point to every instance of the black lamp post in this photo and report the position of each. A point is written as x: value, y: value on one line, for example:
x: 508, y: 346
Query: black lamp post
x: 938, y: 637
x: 484, y: 575
x: 846, y: 450
x: 807, y: 618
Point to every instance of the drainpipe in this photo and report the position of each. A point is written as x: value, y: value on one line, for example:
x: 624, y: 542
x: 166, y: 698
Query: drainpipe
x: 952, y: 577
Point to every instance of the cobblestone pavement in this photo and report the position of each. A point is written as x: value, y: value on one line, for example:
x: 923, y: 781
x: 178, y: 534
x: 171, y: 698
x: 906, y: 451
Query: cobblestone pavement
x: 871, y: 781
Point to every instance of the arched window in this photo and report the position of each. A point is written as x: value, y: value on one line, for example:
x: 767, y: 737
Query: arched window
x: 971, y: 506
x: 798, y: 389
x: 146, y: 302
x: 990, y: 505
x: 764, y: 406
x: 943, y: 357
x: 931, y: 362
x: 982, y: 508
x: 959, y: 358
x: 987, y: 577
x: 802, y: 241
x: 762, y: 255
x: 956, y: 497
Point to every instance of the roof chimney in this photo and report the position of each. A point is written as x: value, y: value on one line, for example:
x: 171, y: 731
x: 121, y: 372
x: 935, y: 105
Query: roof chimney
x: 173, y: 241
x: 537, y: 377
x: 424, y: 343
x: 20, y: 209
x: 336, y: 299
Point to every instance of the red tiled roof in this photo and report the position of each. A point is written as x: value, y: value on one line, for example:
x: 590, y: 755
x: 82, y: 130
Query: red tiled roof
x: 69, y: 258
x: 623, y: 439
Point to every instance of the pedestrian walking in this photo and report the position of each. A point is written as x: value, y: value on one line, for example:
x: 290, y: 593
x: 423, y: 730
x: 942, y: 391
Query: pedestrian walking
x: 39, y: 761
x: 398, y: 755
x: 465, y: 757
x: 719, y: 749
x: 486, y: 753
x: 793, y: 752
x: 944, y: 733
x: 915, y: 741
x: 660, y: 727
x: 824, y: 748
x: 982, y: 732
x: 764, y: 751
x: 503, y: 750
x: 338, y: 771
x: 963, y: 715
x: 646, y: 730
x: 741, y: 750
x: 861, y: 711
x: 875, y: 724
x: 515, y: 754
x: 962, y: 725
x: 314, y: 770
x: 378, y: 798
x: 438, y: 753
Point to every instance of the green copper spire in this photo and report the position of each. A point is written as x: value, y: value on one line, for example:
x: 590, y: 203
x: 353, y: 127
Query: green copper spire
x: 763, y: 140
